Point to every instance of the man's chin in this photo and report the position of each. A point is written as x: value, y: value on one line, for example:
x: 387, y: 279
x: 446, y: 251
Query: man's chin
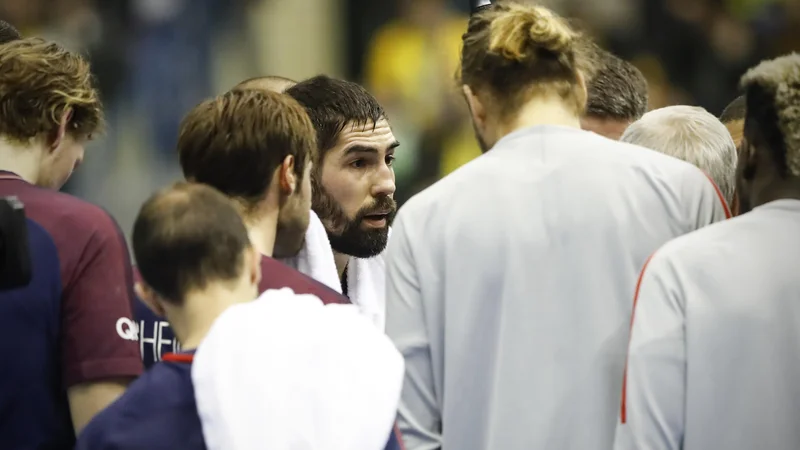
x: 365, y: 244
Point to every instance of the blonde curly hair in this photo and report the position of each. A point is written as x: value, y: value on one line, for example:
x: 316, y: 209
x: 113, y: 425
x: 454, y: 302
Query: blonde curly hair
x: 39, y: 82
x: 780, y: 79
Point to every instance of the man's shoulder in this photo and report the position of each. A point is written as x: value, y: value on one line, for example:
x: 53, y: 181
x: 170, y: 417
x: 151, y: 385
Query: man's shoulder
x: 161, y: 397
x: 57, y: 209
x: 170, y: 382
x: 276, y: 275
x: 165, y: 386
x: 699, y: 249
x: 617, y: 152
x: 68, y: 219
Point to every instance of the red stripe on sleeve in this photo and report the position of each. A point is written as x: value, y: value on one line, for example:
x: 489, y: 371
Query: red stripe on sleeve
x: 178, y: 357
x: 622, y: 412
x: 721, y: 198
x: 399, y: 437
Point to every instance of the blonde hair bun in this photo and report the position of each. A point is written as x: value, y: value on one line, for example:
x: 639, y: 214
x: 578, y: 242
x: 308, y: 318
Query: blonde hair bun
x: 518, y: 32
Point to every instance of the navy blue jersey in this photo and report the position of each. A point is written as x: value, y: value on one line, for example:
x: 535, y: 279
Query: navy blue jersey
x: 156, y: 337
x: 158, y: 411
x: 71, y: 325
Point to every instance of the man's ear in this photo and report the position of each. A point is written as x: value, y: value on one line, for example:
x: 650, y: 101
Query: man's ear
x: 254, y: 266
x: 735, y: 204
x: 57, y: 136
x: 476, y: 107
x: 149, y: 297
x: 287, y: 178
x: 747, y: 160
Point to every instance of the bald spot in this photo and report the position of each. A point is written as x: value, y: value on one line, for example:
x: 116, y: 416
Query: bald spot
x: 269, y: 83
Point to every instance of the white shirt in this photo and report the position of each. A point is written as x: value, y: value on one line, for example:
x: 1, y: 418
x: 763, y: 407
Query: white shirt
x: 715, y: 347
x: 510, y: 284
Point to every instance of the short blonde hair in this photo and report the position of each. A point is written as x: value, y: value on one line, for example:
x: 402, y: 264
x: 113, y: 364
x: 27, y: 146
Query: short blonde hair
x: 39, y: 82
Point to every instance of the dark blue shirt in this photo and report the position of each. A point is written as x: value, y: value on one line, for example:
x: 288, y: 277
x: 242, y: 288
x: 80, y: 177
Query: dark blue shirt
x: 71, y: 325
x: 158, y: 411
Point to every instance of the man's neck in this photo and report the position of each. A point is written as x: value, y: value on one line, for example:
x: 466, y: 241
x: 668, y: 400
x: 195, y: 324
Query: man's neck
x: 341, y: 261
x: 192, y: 320
x: 541, y: 111
x: 262, y: 232
x: 22, y: 161
x: 785, y: 190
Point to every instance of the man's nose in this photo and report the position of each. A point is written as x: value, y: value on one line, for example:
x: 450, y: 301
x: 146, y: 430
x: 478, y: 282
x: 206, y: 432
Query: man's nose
x: 384, y: 183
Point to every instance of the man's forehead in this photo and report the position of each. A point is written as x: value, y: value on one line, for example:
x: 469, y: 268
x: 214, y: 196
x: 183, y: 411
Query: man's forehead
x: 377, y: 135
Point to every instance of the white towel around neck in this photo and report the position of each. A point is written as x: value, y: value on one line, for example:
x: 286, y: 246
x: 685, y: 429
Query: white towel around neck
x: 285, y: 372
x: 366, y: 287
x: 366, y: 277
x: 315, y: 259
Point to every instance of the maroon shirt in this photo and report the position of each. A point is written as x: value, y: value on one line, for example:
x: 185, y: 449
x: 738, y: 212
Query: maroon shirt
x: 277, y: 275
x: 156, y: 337
x: 96, y: 278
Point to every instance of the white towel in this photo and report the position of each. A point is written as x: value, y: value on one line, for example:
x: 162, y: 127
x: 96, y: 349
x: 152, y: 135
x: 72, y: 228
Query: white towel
x: 315, y: 259
x: 366, y: 287
x: 286, y: 373
x: 366, y: 277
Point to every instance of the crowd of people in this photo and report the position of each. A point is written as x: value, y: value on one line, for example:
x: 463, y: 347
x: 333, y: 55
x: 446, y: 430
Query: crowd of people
x: 601, y: 277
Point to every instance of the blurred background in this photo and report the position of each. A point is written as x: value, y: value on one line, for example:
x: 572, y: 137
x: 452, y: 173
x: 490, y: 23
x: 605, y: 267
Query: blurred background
x: 155, y: 59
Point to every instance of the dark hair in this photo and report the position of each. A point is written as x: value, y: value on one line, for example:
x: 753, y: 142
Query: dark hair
x: 8, y: 33
x: 187, y: 236
x: 333, y: 104
x: 272, y: 83
x: 734, y: 111
x: 617, y: 89
x: 513, y: 52
x: 39, y: 81
x: 772, y: 118
x: 236, y: 141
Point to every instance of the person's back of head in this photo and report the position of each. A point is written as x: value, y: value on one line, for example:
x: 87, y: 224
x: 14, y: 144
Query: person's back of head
x: 273, y: 83
x: 769, y: 167
x: 192, y: 246
x: 513, y: 54
x: 617, y: 94
x: 49, y: 107
x: 691, y: 134
x: 8, y: 32
x: 256, y: 147
x: 733, y: 118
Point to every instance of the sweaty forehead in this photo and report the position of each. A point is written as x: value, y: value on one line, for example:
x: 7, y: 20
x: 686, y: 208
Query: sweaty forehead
x: 378, y: 136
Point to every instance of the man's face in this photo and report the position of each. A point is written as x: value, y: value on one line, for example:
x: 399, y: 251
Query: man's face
x: 60, y: 162
x: 610, y: 128
x: 354, y: 189
x: 293, y: 218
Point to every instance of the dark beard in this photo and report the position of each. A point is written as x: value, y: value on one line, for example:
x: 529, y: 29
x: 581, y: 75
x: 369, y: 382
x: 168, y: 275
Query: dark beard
x: 345, y: 234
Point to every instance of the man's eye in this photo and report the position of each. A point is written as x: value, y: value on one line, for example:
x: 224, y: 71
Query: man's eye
x: 357, y: 164
x: 390, y: 160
